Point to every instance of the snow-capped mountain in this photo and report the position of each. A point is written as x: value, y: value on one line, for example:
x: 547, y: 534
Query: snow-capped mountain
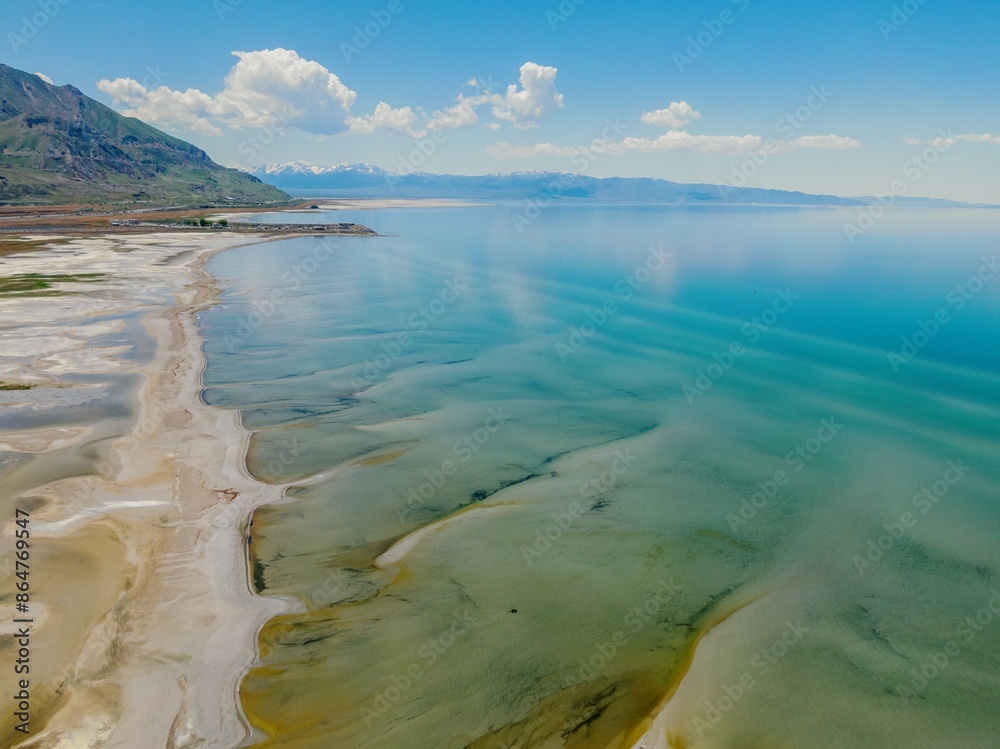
x: 292, y: 168
x: 364, y: 180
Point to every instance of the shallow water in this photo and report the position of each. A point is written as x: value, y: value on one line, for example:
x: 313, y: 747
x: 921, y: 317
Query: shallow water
x: 647, y: 451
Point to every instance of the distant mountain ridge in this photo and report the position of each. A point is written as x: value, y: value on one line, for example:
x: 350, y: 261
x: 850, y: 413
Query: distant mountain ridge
x: 364, y: 180
x: 58, y: 145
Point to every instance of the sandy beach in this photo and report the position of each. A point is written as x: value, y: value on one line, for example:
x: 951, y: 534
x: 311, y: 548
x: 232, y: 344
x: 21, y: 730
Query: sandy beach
x: 143, y: 621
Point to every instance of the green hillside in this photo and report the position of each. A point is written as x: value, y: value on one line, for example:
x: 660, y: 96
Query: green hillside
x: 59, y: 146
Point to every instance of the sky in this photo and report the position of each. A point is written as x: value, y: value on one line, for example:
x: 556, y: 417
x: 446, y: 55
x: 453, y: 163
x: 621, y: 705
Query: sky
x: 857, y: 97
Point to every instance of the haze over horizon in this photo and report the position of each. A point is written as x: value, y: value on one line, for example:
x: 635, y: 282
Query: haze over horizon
x: 837, y: 104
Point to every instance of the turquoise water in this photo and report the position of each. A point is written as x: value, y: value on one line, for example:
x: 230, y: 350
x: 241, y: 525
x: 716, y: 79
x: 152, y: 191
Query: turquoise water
x: 718, y: 455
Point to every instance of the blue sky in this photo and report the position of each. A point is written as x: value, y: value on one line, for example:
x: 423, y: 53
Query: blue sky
x: 816, y: 96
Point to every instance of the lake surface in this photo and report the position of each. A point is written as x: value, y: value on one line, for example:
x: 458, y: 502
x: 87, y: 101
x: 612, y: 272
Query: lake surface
x: 555, y: 477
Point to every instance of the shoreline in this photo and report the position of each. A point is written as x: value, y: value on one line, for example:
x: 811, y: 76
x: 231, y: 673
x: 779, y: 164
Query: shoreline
x: 163, y: 663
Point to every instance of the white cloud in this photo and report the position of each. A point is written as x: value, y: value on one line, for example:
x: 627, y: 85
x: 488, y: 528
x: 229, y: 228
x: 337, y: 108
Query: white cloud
x: 942, y: 143
x: 825, y: 142
x: 676, y: 140
x: 399, y: 121
x: 675, y: 116
x: 510, y: 151
x: 459, y: 115
x: 279, y: 85
x: 163, y: 107
x: 679, y: 140
x: 271, y: 88
x: 947, y: 140
x: 279, y: 90
x: 44, y: 78
x: 678, y: 114
x: 537, y: 97
x: 979, y: 138
x: 523, y: 107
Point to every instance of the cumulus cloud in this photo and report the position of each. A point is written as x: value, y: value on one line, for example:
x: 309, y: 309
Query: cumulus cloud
x: 537, y: 97
x: 678, y: 114
x: 279, y: 90
x: 271, y: 88
x: 460, y: 115
x: 163, y: 107
x: 399, y: 121
x: 523, y: 106
x: 44, y: 78
x: 279, y: 85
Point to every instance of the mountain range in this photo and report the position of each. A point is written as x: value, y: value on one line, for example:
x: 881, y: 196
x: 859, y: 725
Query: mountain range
x: 59, y: 146
x: 363, y: 180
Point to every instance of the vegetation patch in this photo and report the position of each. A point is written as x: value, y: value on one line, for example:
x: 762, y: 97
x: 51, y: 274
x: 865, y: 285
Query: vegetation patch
x: 12, y: 246
x: 8, y: 386
x: 40, y: 284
